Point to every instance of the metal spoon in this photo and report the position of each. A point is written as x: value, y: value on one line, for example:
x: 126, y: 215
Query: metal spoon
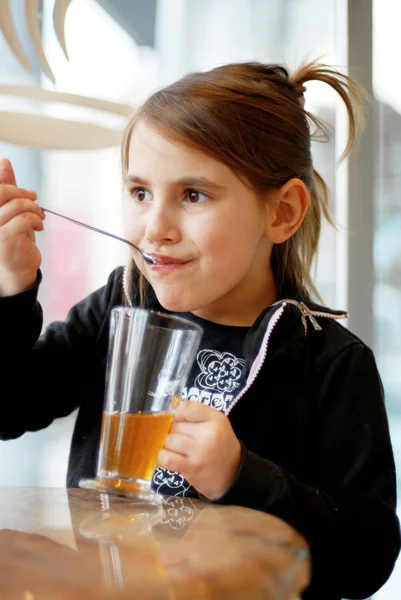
x: 148, y: 257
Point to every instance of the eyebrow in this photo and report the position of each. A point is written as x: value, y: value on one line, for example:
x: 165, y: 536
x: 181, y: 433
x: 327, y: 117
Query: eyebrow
x: 187, y: 181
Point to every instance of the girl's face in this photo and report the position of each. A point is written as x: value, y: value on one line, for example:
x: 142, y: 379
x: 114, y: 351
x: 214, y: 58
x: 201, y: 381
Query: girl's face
x: 204, y: 224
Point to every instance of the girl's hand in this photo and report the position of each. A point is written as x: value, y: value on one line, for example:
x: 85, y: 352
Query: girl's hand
x: 20, y: 217
x: 202, y: 447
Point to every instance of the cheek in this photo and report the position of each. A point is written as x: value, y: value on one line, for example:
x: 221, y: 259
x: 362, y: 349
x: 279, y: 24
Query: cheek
x: 214, y: 236
x: 229, y: 245
x: 216, y: 248
x: 207, y: 239
x: 133, y: 228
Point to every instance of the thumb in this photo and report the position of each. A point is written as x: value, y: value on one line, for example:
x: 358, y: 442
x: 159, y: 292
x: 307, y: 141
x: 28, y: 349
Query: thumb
x: 195, y: 412
x: 7, y: 174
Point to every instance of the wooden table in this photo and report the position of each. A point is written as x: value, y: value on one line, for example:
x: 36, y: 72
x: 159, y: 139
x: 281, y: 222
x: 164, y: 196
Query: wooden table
x: 74, y: 544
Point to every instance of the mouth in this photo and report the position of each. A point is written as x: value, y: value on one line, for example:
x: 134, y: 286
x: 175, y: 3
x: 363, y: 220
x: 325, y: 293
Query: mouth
x: 168, y: 260
x: 167, y: 264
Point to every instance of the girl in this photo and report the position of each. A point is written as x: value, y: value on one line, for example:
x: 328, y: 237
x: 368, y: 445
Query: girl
x: 289, y: 415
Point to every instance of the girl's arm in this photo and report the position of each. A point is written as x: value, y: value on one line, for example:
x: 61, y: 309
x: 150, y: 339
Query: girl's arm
x: 349, y: 517
x: 49, y: 376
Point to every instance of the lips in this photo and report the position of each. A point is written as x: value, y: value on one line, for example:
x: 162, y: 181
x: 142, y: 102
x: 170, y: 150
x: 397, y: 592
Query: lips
x: 168, y: 260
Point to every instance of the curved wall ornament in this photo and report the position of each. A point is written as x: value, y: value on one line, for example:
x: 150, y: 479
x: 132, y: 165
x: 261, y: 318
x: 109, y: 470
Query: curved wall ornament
x: 11, y: 36
x: 59, y: 10
x: 33, y: 24
x: 33, y: 92
x: 35, y: 34
x: 47, y: 132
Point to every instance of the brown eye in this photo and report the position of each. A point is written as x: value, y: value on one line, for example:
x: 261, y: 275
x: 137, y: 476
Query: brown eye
x: 140, y: 195
x: 196, y: 197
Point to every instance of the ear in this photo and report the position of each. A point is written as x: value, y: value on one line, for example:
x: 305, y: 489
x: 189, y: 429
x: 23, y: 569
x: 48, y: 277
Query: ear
x: 289, y: 205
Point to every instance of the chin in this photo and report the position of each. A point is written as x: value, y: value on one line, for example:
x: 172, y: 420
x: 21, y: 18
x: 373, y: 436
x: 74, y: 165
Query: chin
x: 176, y: 302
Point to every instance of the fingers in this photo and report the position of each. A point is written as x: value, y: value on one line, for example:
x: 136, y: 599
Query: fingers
x: 196, y: 412
x: 7, y: 174
x: 181, y: 444
x: 11, y: 192
x: 184, y: 428
x: 20, y: 218
x: 171, y: 461
x: 18, y: 206
x: 23, y: 223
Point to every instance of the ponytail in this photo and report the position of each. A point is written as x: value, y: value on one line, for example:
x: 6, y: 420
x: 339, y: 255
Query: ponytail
x: 294, y: 258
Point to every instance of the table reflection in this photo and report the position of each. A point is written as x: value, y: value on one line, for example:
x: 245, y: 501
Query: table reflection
x: 183, y: 548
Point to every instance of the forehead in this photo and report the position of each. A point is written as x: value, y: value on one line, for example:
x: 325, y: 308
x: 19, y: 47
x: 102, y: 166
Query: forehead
x: 151, y: 150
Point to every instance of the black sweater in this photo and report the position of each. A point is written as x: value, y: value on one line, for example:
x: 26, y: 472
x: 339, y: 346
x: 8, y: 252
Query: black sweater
x: 312, y: 422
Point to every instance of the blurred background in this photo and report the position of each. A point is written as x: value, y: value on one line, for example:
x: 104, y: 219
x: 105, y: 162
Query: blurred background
x: 121, y: 52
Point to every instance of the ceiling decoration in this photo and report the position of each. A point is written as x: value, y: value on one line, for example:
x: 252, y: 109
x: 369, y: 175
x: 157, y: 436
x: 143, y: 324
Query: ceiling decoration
x: 39, y: 130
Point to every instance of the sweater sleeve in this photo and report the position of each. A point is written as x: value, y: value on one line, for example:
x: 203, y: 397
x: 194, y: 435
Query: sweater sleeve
x: 48, y: 376
x: 349, y: 518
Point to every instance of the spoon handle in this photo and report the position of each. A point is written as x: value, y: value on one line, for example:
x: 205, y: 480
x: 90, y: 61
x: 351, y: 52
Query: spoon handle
x: 148, y: 257
x: 116, y: 237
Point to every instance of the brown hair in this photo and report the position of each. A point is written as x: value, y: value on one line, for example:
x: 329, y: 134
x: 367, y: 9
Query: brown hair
x: 251, y: 117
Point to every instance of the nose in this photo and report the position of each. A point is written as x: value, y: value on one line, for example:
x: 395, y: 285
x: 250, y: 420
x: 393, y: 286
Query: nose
x: 162, y: 225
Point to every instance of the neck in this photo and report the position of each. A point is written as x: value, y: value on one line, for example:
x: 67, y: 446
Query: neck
x: 237, y: 308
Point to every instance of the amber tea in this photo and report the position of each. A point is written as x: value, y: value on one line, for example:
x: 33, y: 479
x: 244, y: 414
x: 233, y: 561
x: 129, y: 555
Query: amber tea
x: 131, y: 443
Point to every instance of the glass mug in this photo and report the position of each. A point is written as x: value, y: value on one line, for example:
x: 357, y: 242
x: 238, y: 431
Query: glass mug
x: 149, y: 358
